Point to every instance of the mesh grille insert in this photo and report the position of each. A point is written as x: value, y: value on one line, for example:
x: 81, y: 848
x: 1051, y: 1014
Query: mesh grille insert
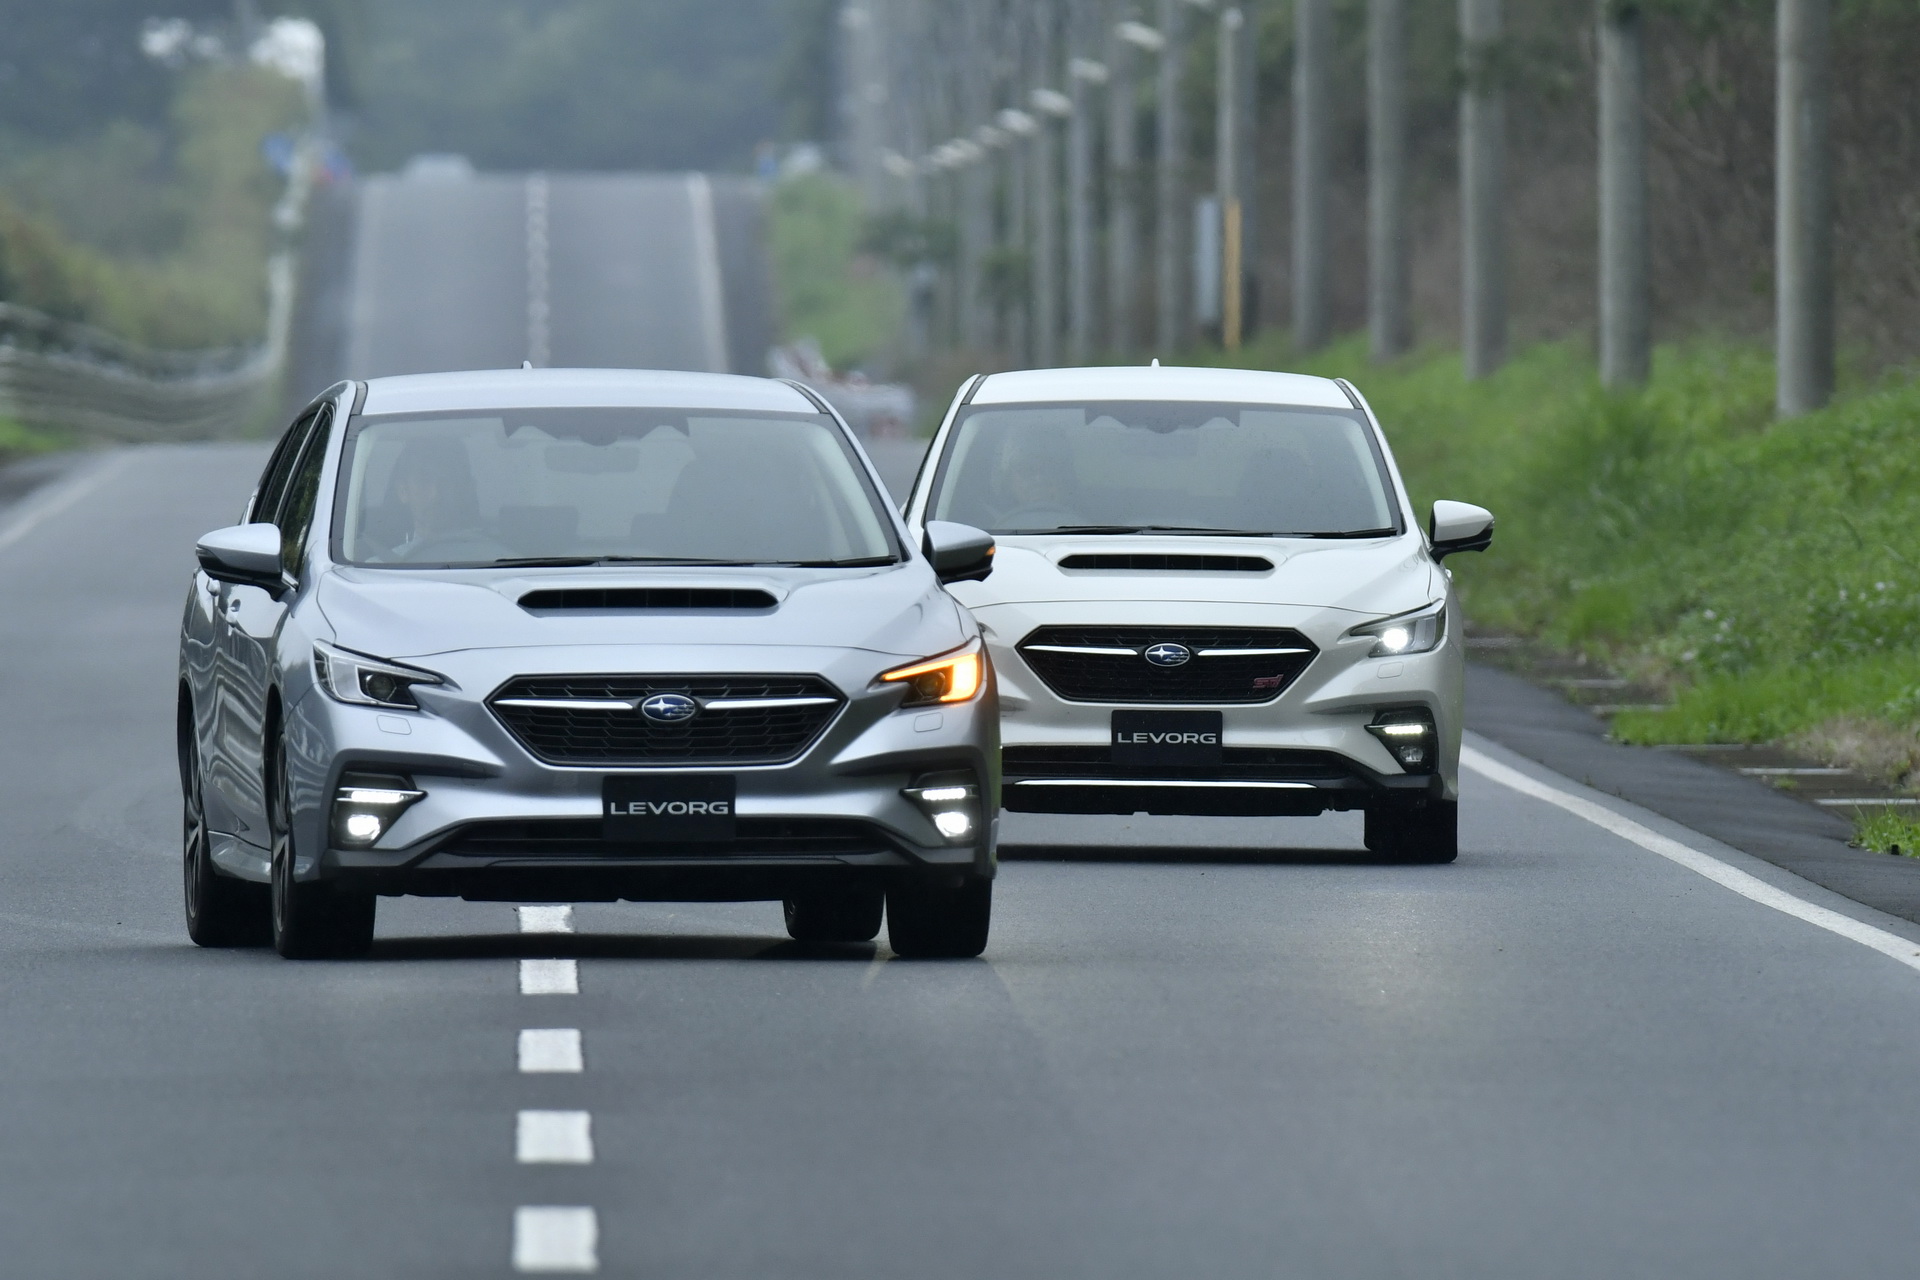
x: 1127, y: 677
x: 622, y: 736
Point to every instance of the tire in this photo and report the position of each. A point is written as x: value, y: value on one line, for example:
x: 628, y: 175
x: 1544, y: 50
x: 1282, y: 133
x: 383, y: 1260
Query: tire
x: 843, y: 915
x: 934, y: 921
x: 221, y: 911
x: 311, y: 920
x: 1429, y: 834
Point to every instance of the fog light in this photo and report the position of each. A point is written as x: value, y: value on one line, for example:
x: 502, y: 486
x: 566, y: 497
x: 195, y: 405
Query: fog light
x: 366, y: 805
x: 1409, y: 735
x: 953, y: 823
x: 953, y: 803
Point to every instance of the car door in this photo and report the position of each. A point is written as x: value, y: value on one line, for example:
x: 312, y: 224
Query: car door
x: 248, y: 620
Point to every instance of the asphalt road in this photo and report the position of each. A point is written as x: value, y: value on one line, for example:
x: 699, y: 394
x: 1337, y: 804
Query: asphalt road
x: 1194, y: 1047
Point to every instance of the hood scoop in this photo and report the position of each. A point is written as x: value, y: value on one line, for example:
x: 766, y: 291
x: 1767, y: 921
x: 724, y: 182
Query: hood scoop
x: 1146, y: 562
x: 658, y: 599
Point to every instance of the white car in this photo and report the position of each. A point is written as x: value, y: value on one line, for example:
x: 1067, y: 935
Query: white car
x: 1211, y: 596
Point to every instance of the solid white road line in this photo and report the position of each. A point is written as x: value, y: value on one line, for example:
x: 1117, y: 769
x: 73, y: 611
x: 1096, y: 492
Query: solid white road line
x: 59, y: 498
x: 553, y: 1137
x: 555, y: 1238
x: 551, y: 1049
x: 1887, y: 944
x: 549, y: 977
x: 546, y: 919
x: 706, y: 270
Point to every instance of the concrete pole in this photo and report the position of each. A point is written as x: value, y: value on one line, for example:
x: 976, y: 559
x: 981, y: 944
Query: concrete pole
x: 1044, y: 154
x: 1625, y: 330
x: 1082, y: 319
x: 1803, y: 227
x: 1123, y: 197
x: 1483, y: 121
x: 1171, y: 302
x: 1312, y: 156
x: 1388, y: 315
x: 1229, y: 111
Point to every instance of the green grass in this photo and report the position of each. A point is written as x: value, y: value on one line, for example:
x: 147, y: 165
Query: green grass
x: 1765, y: 571
x: 1887, y: 831
x: 826, y: 288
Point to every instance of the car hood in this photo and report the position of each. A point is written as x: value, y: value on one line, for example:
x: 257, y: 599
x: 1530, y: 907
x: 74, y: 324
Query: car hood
x: 898, y: 610
x: 1375, y: 577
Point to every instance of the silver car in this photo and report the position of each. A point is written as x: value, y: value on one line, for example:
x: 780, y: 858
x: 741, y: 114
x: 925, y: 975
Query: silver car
x: 563, y: 635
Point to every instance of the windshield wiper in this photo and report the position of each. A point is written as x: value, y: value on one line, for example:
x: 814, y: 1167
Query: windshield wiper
x: 856, y: 562
x: 575, y: 562
x: 1151, y: 528
x: 1340, y: 533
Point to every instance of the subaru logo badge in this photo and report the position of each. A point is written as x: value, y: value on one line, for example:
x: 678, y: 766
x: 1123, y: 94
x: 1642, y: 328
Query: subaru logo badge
x: 669, y: 708
x: 1168, y: 655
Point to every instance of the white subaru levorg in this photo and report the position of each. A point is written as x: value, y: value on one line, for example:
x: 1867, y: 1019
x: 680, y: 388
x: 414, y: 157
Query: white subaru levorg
x: 1211, y: 596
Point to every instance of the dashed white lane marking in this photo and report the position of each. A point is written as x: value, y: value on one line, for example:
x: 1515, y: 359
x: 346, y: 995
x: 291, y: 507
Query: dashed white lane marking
x: 549, y: 977
x: 546, y: 919
x: 1747, y: 886
x: 555, y: 1238
x: 553, y: 1137
x: 551, y: 1049
x: 539, y: 276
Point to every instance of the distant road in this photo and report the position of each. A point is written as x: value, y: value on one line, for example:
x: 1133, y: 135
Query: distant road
x: 603, y: 270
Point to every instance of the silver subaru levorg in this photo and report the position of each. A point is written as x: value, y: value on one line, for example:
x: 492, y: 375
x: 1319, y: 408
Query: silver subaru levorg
x: 562, y: 635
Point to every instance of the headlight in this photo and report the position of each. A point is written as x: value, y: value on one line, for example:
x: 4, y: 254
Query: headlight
x: 952, y: 677
x: 1416, y: 632
x: 367, y: 682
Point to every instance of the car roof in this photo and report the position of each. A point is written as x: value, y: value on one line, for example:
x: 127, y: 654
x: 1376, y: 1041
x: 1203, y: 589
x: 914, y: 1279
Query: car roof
x: 581, y: 389
x: 1153, y: 382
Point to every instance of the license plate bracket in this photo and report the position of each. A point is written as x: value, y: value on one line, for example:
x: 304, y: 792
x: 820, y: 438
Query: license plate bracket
x: 1168, y: 738
x: 671, y: 808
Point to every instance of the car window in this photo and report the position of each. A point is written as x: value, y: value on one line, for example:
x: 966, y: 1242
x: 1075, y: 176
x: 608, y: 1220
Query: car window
x: 473, y: 489
x: 273, y: 481
x: 1255, y: 468
x: 303, y: 492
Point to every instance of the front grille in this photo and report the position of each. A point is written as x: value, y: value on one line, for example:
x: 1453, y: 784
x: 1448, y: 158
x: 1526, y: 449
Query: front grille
x: 1237, y: 764
x: 1129, y: 678
x: 622, y: 736
x: 580, y: 838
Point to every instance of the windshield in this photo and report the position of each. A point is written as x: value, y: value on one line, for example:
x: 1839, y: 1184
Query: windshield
x: 586, y: 485
x: 1169, y: 466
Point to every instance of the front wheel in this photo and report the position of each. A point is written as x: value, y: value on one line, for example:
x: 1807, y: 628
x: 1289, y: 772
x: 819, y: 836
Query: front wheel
x: 311, y: 920
x: 1430, y: 833
x: 935, y: 921
x: 846, y: 915
x: 221, y: 910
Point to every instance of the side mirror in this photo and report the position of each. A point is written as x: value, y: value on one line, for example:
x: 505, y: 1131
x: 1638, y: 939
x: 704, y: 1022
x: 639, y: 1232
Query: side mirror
x: 958, y: 552
x: 1459, y: 526
x: 247, y: 555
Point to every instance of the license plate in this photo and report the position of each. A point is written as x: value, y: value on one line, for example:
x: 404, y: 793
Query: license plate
x: 670, y: 808
x: 1167, y: 737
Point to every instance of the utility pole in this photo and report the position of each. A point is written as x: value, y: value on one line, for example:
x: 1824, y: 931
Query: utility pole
x: 1083, y: 74
x: 1388, y: 315
x: 1483, y: 126
x: 1047, y: 104
x: 1230, y: 109
x: 1625, y: 330
x: 1129, y: 40
x: 1803, y: 219
x: 1171, y: 302
x: 974, y: 181
x: 1313, y: 41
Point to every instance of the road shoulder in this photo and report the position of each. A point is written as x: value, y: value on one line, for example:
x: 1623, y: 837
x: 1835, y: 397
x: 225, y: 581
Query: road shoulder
x: 1738, y: 811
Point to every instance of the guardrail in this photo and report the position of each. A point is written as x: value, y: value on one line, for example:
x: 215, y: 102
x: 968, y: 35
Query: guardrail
x: 54, y: 373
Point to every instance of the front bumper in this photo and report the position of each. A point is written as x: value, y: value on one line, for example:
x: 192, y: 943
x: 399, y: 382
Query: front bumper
x: 497, y: 824
x: 1307, y: 751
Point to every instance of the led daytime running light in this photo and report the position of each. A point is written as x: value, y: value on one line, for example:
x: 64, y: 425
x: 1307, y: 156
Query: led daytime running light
x: 956, y: 677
